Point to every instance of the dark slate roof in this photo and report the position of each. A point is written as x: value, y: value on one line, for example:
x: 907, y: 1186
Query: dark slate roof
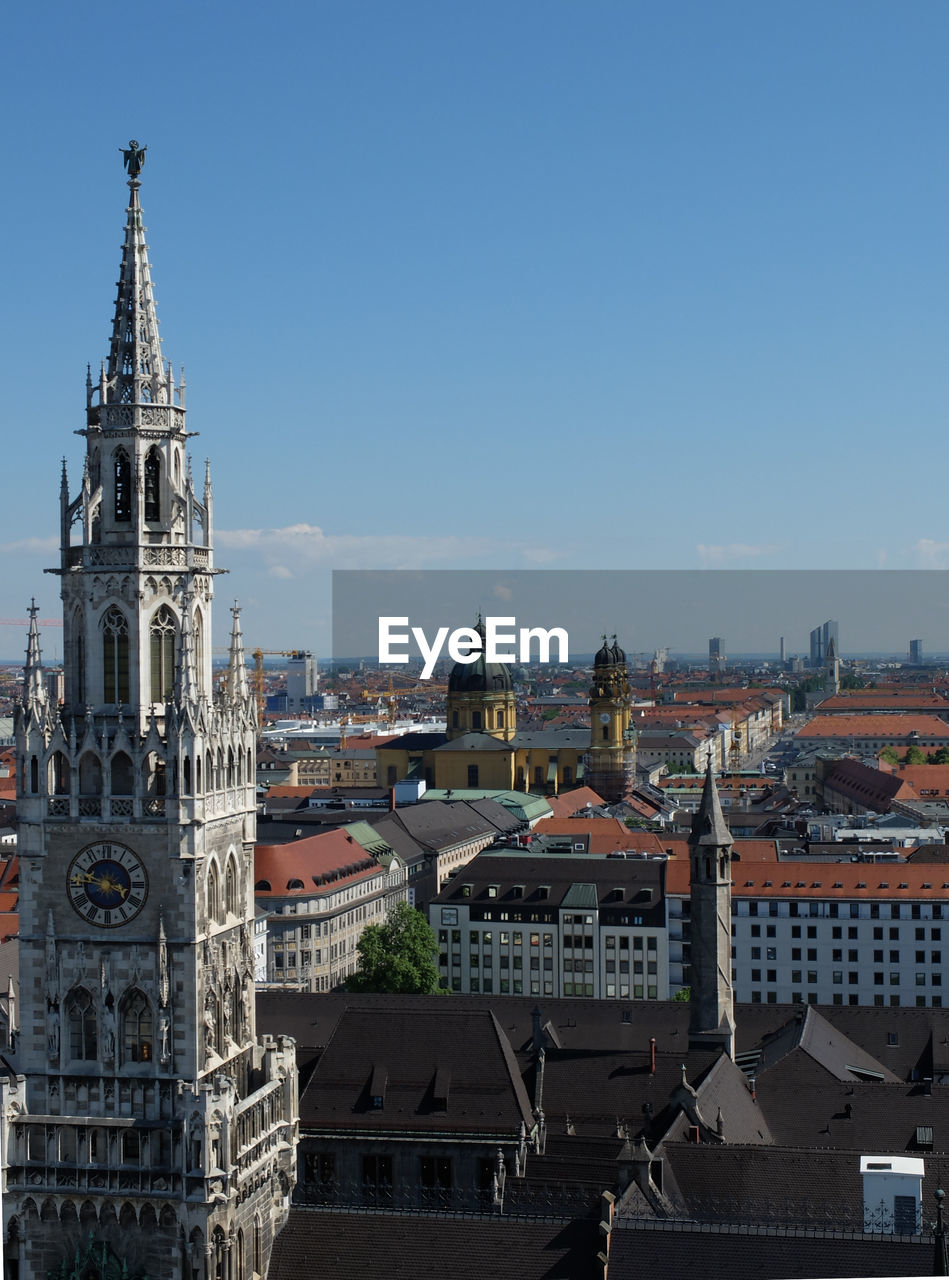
x: 410, y: 1062
x: 476, y: 742
x: 806, y: 1106
x: 594, y: 1093
x: 663, y: 1252
x: 551, y: 739
x: 826, y: 1044
x: 499, y: 817
x: 413, y: 742
x: 518, y: 877
x: 725, y: 1091
x: 439, y: 824
x: 378, y: 1246
x: 396, y: 836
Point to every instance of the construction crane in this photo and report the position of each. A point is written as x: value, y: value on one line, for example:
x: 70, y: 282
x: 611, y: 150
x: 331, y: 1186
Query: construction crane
x: 258, y: 655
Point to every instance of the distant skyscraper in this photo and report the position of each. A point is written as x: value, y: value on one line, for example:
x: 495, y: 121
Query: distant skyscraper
x: 916, y: 652
x: 301, y: 681
x: 716, y: 655
x: 831, y: 631
x: 820, y: 640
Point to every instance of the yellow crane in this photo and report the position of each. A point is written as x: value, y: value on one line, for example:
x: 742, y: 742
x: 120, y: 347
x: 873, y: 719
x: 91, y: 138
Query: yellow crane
x: 258, y: 655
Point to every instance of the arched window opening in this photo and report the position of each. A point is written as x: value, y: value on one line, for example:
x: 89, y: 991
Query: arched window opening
x: 197, y: 775
x: 90, y: 775
x: 162, y: 650
x: 34, y: 775
x: 115, y: 656
x: 499, y: 720
x: 230, y: 767
x: 137, y: 1030
x: 57, y: 781
x: 154, y: 775
x: 208, y: 771
x: 230, y: 888
x: 197, y: 631
x: 476, y: 719
x: 122, y: 775
x: 81, y: 1026
x: 80, y: 667
x: 187, y: 775
x: 152, y: 484
x: 214, y: 892
x: 123, y: 486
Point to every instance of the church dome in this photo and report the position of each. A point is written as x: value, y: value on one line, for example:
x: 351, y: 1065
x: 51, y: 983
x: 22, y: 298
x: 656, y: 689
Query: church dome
x: 619, y: 657
x: 480, y: 676
x: 604, y: 655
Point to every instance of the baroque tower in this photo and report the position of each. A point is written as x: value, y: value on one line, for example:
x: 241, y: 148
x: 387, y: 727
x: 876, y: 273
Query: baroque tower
x: 480, y: 697
x: 612, y: 768
x: 148, y: 1128
x: 712, y: 1003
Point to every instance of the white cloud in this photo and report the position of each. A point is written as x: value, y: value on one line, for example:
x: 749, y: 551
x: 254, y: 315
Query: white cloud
x: 30, y: 546
x: 717, y: 554
x: 931, y: 554
x: 286, y: 550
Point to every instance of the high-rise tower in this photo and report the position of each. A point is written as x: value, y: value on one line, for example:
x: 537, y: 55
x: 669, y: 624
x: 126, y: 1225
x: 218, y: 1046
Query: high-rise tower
x: 153, y: 1131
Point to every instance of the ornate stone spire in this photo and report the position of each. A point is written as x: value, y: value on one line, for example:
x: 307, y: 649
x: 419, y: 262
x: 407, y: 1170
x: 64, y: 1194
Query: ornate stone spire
x: 236, y: 683
x: 709, y: 826
x: 135, y: 373
x: 34, y: 687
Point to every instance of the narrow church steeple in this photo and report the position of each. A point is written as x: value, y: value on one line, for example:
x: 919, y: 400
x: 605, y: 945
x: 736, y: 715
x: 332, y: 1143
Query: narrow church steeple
x: 712, y: 1003
x: 135, y: 371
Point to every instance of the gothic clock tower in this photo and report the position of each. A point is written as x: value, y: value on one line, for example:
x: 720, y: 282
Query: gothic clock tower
x: 149, y: 1131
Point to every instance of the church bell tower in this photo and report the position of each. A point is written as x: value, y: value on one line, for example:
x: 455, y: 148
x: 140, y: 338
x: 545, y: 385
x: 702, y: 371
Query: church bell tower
x: 149, y: 1131
x: 611, y: 770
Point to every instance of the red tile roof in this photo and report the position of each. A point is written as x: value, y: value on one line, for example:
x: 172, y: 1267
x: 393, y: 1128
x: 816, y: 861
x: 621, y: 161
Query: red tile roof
x: 883, y: 725
x: 570, y: 801
x: 321, y: 864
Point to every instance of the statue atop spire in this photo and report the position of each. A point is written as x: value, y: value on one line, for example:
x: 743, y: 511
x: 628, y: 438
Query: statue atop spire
x: 134, y: 159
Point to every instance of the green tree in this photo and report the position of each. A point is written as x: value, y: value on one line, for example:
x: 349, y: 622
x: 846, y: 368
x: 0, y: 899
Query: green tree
x: 938, y: 757
x: 399, y: 956
x: 683, y: 995
x: 914, y: 755
x: 890, y: 755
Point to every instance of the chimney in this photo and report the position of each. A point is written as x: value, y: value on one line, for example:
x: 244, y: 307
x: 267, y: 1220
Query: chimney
x: 392, y: 799
x: 537, y: 1030
x: 652, y: 1055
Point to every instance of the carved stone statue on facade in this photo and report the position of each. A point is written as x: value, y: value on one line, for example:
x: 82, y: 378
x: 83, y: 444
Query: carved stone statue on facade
x: 52, y: 1032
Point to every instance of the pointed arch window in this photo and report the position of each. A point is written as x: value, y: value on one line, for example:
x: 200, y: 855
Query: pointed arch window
x: 162, y: 652
x: 214, y: 893
x: 137, y: 1031
x: 153, y: 484
x: 123, y: 486
x: 115, y: 656
x: 197, y: 631
x: 81, y: 1026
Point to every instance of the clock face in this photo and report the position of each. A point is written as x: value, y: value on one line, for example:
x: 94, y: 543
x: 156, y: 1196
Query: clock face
x: 107, y: 884
x: 604, y: 717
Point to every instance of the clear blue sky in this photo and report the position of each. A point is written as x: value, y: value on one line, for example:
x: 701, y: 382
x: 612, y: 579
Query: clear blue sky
x: 496, y: 284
